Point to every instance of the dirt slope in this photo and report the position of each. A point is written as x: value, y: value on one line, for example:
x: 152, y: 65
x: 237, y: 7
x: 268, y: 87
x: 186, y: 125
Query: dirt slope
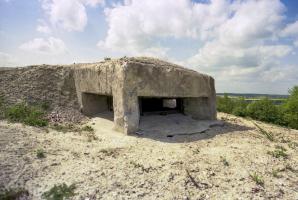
x: 215, y: 164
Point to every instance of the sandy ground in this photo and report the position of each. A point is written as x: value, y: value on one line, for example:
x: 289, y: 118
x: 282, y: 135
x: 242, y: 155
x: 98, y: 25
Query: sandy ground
x: 208, y: 164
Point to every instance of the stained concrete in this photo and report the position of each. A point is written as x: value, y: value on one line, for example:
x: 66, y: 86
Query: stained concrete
x: 128, y: 79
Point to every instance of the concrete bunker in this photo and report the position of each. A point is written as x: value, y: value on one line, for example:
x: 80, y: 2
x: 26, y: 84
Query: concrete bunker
x: 139, y: 86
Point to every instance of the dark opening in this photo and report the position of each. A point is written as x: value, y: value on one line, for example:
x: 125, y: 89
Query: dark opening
x: 160, y: 105
x: 96, y: 103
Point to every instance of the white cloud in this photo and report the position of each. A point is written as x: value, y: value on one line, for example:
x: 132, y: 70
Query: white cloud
x: 236, y: 40
x: 69, y: 14
x: 6, y: 60
x: 49, y: 45
x: 281, y: 73
x: 134, y: 25
x: 290, y: 30
x: 44, y: 29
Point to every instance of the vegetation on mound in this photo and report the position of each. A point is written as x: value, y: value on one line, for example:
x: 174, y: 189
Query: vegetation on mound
x: 257, y: 179
x: 265, y: 110
x: 60, y: 192
x: 27, y: 114
x: 13, y: 194
x: 40, y: 153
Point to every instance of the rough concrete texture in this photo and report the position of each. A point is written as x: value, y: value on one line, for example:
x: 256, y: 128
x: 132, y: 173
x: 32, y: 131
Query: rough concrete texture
x: 128, y: 79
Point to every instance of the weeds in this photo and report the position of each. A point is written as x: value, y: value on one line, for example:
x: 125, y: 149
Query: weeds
x: 224, y: 161
x: 13, y: 194
x: 293, y: 145
x: 141, y: 166
x: 275, y: 173
x: 268, y: 135
x: 88, y: 129
x: 257, y: 179
x: 279, y: 152
x: 111, y: 152
x: 59, y: 192
x: 29, y: 115
x: 64, y: 128
x: 40, y: 153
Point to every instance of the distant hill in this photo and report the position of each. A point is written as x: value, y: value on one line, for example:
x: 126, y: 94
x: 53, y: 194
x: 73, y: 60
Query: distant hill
x: 253, y: 96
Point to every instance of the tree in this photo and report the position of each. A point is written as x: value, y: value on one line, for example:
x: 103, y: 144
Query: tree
x: 263, y: 110
x: 291, y: 108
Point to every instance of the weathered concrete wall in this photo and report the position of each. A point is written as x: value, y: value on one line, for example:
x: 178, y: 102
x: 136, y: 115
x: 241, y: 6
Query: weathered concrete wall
x: 94, y: 103
x: 161, y: 79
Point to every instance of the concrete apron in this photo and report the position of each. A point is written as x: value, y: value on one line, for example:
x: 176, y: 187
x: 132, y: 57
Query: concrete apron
x: 162, y: 126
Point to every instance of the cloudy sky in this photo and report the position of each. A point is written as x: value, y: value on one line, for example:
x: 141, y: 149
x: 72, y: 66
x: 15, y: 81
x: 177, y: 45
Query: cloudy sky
x: 249, y: 46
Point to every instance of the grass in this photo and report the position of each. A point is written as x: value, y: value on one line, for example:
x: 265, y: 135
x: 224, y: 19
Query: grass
x: 257, y: 179
x: 64, y: 128
x: 224, y: 161
x: 88, y: 129
x: 275, y: 173
x: 24, y: 113
x: 279, y: 152
x: 59, y: 192
x: 268, y: 135
x: 293, y: 145
x: 13, y: 194
x: 40, y: 153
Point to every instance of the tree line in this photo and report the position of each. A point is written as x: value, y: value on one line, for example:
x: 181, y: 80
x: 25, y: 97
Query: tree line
x: 285, y: 114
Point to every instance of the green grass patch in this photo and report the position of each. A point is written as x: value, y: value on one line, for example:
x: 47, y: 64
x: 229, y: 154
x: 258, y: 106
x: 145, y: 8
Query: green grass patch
x: 24, y: 113
x: 40, y: 153
x: 59, y: 192
x: 275, y: 173
x: 257, y: 179
x: 13, y: 194
x: 279, y: 152
x: 224, y: 161
x: 88, y: 129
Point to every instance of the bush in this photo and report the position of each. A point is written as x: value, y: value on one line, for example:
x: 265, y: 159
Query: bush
x: 12, y: 194
x: 291, y: 108
x: 263, y: 110
x: 30, y: 115
x: 60, y: 192
x: 224, y: 104
x: 239, y: 107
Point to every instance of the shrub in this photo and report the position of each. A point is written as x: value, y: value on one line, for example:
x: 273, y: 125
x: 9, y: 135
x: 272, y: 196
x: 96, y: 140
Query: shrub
x: 59, y: 192
x: 224, y: 104
x: 263, y: 110
x: 30, y: 115
x: 291, y: 108
x: 40, y: 153
x: 88, y: 129
x: 12, y: 194
x: 239, y: 107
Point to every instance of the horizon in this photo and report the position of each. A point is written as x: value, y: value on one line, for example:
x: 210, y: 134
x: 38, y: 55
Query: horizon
x: 247, y: 46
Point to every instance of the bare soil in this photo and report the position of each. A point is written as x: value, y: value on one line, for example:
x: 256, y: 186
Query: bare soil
x: 215, y: 163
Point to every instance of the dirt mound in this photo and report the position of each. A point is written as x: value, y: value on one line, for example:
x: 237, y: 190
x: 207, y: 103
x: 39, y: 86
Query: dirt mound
x: 51, y: 84
x: 233, y: 161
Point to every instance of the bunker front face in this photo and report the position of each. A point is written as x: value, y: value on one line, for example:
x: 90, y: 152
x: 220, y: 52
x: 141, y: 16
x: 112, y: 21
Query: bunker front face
x: 131, y: 87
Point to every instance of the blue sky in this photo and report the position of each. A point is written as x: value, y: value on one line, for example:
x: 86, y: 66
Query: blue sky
x: 247, y: 46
